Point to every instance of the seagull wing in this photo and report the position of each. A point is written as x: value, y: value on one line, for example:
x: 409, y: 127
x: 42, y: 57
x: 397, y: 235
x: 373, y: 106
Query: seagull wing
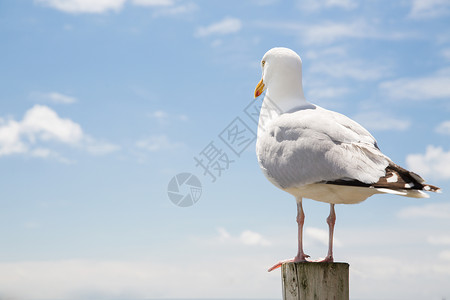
x: 315, y: 145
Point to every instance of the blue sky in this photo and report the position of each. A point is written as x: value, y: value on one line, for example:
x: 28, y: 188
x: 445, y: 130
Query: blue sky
x: 102, y: 102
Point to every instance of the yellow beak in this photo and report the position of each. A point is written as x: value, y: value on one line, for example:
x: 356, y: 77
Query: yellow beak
x: 259, y: 88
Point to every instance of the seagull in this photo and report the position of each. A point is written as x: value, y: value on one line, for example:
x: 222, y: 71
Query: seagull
x: 314, y: 153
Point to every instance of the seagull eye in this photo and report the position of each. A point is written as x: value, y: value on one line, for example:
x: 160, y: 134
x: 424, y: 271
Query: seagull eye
x: 263, y: 63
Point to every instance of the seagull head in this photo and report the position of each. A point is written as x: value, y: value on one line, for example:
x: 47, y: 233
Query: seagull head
x: 281, y: 75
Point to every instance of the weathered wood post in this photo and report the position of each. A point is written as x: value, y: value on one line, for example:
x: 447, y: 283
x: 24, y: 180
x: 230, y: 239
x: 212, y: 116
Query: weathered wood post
x: 315, y: 281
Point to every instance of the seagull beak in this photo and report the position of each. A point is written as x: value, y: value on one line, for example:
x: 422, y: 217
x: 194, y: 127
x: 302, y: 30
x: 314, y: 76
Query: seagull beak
x: 259, y: 88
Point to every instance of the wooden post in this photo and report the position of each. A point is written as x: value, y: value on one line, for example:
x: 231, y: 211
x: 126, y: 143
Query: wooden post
x: 315, y: 281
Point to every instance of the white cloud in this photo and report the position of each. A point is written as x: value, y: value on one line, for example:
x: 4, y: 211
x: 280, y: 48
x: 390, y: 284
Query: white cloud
x: 328, y: 52
x: 264, y: 2
x: 97, y: 147
x: 31, y: 225
x: 103, y: 6
x: 153, y: 2
x: 157, y: 143
x: 216, y: 43
x: 330, y: 32
x: 424, y: 88
x: 10, y: 140
x: 43, y: 280
x: 357, y: 70
x: 402, y: 276
x: 176, y: 10
x: 252, y: 238
x: 224, y: 235
x: 435, y: 163
x: 226, y: 26
x: 41, y: 122
x: 439, y: 240
x: 49, y: 154
x: 54, y: 97
x: 445, y: 255
x: 164, y: 117
x: 40, y: 125
x: 84, y: 6
x: 316, y: 5
x: 421, y: 9
x: 247, y: 237
x: 138, y: 279
x: 443, y: 128
x: 159, y: 115
x: 327, y: 92
x: 446, y: 53
x: 335, y: 62
x: 41, y: 152
x: 376, y: 120
x: 434, y: 211
x: 319, y: 236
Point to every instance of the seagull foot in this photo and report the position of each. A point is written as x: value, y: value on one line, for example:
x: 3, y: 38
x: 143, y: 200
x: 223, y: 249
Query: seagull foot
x: 326, y: 259
x: 301, y: 258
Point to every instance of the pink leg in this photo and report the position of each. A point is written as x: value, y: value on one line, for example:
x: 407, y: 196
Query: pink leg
x: 331, y: 220
x: 301, y: 256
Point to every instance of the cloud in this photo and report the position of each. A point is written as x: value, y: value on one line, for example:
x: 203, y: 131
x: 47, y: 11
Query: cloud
x: 434, y: 211
x: 103, y: 6
x: 319, y: 236
x: 247, y: 237
x: 445, y: 255
x: 424, y: 88
x: 327, y: 92
x: 138, y: 278
x: 226, y: 26
x: 376, y: 120
x: 83, y: 6
x: 153, y: 2
x: 252, y: 238
x: 45, y: 153
x: 43, y: 280
x: 445, y: 53
x: 356, y: 70
x: 443, y: 128
x: 401, y: 275
x: 329, y: 32
x: 159, y: 114
x: 439, y: 240
x: 264, y: 2
x: 54, y: 97
x: 422, y: 9
x: 328, y: 52
x: 10, y: 138
x: 435, y: 163
x: 334, y: 62
x: 177, y: 10
x: 41, y: 125
x: 97, y: 147
x: 163, y: 117
x: 316, y: 5
x: 157, y: 143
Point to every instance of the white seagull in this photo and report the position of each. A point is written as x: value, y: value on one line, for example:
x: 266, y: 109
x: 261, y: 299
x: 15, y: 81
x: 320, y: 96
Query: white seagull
x: 314, y: 153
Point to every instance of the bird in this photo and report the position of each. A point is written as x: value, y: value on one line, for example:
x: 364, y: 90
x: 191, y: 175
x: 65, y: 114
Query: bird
x: 315, y: 153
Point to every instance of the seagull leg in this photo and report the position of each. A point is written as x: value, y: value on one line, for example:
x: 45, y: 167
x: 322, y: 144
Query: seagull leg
x: 331, y: 220
x: 301, y: 256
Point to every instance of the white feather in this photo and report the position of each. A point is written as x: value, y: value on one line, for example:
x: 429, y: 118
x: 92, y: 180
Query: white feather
x: 300, y: 146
